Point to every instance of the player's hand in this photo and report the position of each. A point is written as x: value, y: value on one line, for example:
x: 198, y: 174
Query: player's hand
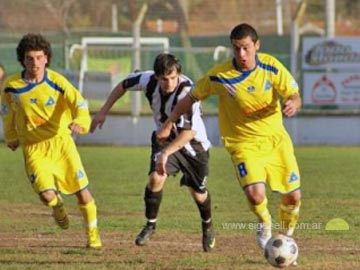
x: 164, y: 132
x: 98, y: 120
x: 290, y: 108
x: 161, y: 160
x: 13, y: 145
x: 76, y: 128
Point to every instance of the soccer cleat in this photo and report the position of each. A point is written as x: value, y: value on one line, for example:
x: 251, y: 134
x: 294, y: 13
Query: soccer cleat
x: 208, y: 239
x: 60, y: 215
x: 263, y: 234
x: 94, y: 240
x: 145, y: 234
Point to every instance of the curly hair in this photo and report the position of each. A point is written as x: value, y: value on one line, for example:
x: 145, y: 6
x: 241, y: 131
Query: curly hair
x: 33, y: 42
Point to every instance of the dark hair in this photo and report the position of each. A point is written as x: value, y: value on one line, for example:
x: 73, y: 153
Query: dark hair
x: 166, y: 63
x: 244, y: 30
x: 33, y: 42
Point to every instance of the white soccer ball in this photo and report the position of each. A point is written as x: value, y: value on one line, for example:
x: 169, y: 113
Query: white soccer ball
x: 281, y: 251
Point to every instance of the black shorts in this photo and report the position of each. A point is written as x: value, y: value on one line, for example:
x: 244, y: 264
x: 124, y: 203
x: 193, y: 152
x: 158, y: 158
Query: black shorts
x: 195, y: 169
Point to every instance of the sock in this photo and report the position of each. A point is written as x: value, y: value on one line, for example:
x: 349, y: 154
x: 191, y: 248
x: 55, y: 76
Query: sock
x: 261, y: 211
x: 152, y: 204
x: 205, y: 210
x: 289, y: 215
x: 88, y: 211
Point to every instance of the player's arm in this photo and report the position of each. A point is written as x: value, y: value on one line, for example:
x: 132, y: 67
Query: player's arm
x: 181, y: 107
x: 292, y: 104
x: 100, y: 117
x: 8, y: 117
x: 179, y: 142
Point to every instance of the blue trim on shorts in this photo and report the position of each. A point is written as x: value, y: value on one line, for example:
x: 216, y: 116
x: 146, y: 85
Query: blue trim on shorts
x: 262, y: 181
x: 47, y: 190
x: 278, y: 192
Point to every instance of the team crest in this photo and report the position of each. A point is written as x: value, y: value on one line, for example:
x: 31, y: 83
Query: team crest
x: 293, y: 178
x: 268, y: 85
x: 50, y: 101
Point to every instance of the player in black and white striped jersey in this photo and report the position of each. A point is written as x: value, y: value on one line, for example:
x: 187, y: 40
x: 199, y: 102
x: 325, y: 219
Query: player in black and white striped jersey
x: 186, y: 150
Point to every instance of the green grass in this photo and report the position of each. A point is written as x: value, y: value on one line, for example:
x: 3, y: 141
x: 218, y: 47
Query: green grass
x: 330, y: 188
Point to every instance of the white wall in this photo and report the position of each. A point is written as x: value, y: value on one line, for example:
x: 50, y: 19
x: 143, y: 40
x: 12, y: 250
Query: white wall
x: 304, y: 130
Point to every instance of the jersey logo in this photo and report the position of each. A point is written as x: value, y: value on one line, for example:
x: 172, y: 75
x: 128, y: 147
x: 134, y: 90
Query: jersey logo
x: 33, y: 100
x: 251, y: 89
x: 80, y: 175
x: 268, y: 85
x: 293, y: 178
x: 32, y: 178
x: 82, y: 104
x: 242, y: 169
x: 50, y: 102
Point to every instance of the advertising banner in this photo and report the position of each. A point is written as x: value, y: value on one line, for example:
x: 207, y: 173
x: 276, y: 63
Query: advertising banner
x: 323, y: 88
x: 335, y: 53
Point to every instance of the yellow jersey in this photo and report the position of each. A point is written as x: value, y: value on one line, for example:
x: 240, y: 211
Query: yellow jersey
x: 248, y: 101
x: 34, y: 112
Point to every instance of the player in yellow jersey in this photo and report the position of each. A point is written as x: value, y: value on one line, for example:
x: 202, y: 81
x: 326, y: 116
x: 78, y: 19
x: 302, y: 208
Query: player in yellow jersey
x: 249, y: 88
x: 40, y: 111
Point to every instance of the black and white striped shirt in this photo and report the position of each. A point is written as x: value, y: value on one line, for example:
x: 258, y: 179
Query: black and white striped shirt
x: 162, y: 105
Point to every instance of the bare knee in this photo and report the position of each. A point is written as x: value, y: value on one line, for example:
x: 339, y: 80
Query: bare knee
x: 156, y: 182
x: 255, y: 193
x: 84, y: 196
x: 197, y: 196
x: 292, y: 198
x: 47, y: 196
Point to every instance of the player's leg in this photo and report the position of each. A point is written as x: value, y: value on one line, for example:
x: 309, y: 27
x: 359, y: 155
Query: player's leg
x: 72, y: 179
x: 284, y: 177
x: 289, y: 211
x: 249, y: 160
x: 52, y: 199
x: 152, y: 198
x: 257, y: 200
x: 203, y: 202
x: 87, y: 206
x: 39, y: 169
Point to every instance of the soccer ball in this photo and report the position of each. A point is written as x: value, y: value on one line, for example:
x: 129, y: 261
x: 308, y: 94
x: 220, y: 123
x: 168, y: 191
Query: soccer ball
x: 281, y: 251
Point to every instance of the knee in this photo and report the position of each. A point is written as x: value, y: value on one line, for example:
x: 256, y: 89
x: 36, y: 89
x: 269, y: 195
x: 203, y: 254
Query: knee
x: 199, y: 197
x: 255, y: 195
x: 292, y: 198
x: 156, y: 182
x: 47, y: 196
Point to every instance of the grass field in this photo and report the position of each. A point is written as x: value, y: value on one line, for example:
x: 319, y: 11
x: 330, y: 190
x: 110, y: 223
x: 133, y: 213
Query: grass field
x: 30, y: 239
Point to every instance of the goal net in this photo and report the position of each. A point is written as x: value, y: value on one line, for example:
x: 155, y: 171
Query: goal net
x: 102, y: 62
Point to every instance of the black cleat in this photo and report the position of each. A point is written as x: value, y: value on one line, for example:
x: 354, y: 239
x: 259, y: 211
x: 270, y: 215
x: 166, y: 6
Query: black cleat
x: 145, y: 234
x: 208, y: 240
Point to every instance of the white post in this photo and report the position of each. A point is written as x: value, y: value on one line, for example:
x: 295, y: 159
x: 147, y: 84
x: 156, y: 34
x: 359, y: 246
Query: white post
x: 295, y: 37
x: 330, y: 18
x: 136, y: 95
x: 114, y: 18
x: 279, y: 17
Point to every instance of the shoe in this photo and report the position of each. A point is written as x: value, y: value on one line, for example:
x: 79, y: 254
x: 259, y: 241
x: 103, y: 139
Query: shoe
x: 263, y: 234
x: 208, y: 239
x: 60, y: 215
x: 145, y: 234
x: 94, y: 240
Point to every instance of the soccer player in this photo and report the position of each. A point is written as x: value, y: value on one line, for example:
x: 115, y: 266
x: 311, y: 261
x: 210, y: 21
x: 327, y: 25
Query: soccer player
x: 249, y: 89
x: 40, y: 111
x: 186, y: 150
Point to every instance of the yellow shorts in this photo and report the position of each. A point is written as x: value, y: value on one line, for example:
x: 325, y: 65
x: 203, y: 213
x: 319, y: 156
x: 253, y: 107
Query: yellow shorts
x: 267, y: 160
x: 55, y: 164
